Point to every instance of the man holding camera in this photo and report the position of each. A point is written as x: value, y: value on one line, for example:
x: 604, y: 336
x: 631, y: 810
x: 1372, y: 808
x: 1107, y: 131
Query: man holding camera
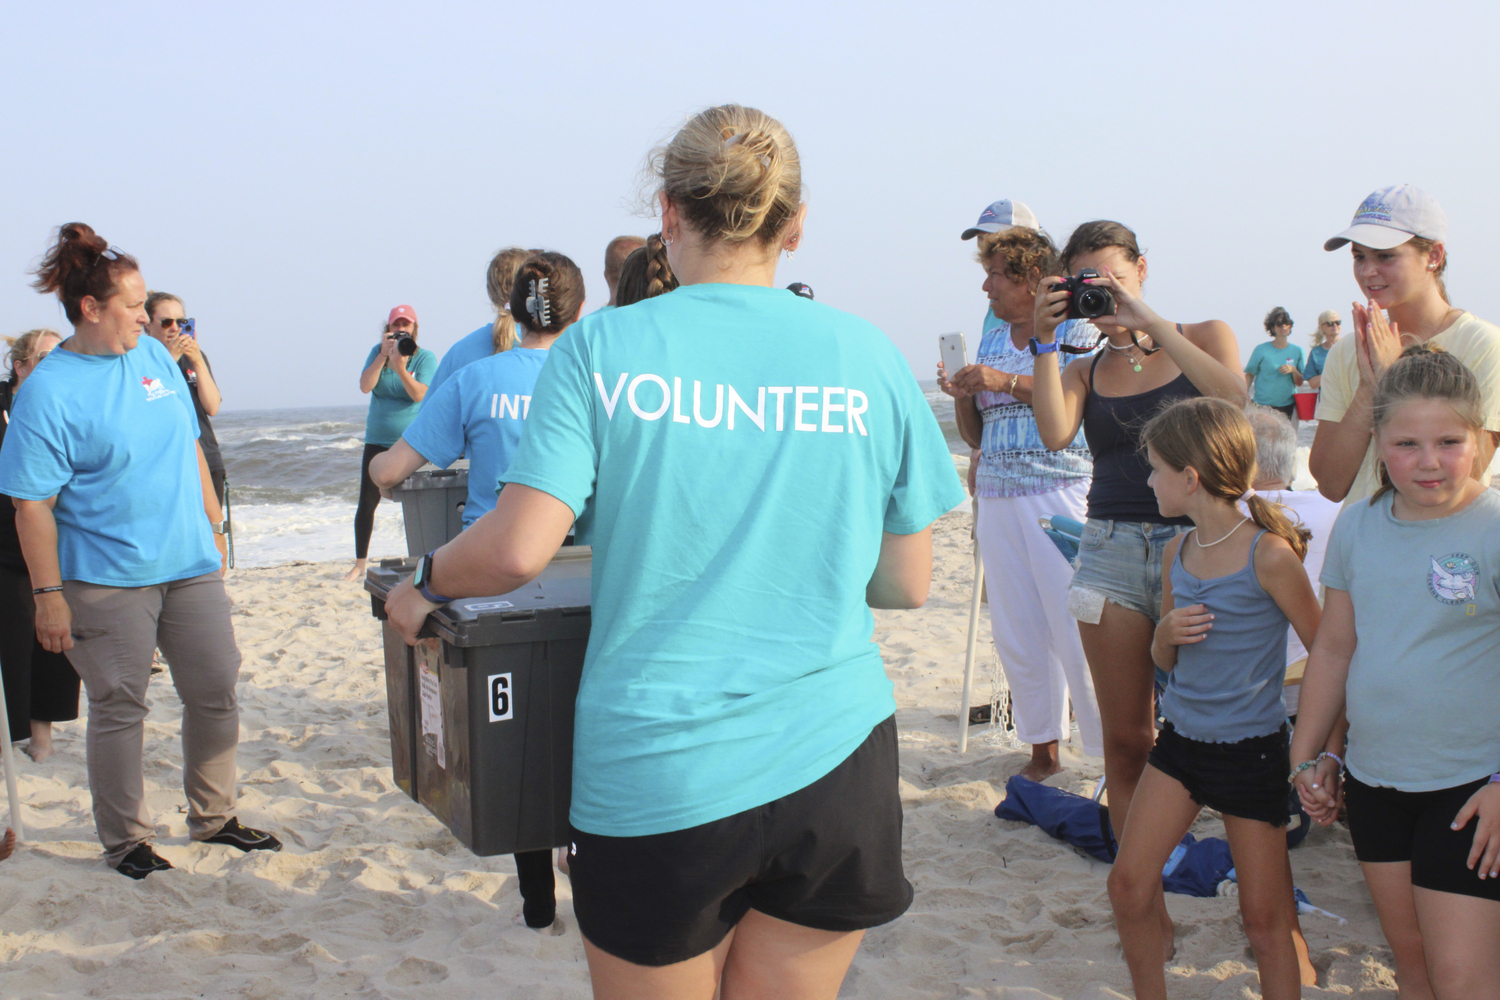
x: 396, y: 375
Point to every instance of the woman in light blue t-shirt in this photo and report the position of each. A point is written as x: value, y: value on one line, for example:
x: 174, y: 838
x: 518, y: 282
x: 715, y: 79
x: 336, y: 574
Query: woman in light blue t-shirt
x: 123, y: 539
x: 396, y: 375
x: 754, y: 471
x: 1275, y: 370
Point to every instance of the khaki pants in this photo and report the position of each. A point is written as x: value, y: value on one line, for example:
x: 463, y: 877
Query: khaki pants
x: 115, y: 631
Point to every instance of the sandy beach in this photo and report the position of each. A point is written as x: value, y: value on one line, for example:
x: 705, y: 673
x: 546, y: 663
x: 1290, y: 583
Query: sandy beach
x: 372, y: 897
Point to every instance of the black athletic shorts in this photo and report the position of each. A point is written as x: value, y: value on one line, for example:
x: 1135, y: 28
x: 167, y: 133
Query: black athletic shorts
x: 827, y: 856
x: 1245, y: 779
x: 1389, y: 825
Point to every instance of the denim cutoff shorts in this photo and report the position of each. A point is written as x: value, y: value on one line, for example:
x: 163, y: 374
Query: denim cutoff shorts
x: 1122, y: 561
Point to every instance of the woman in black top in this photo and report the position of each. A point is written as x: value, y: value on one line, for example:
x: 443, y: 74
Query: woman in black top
x: 40, y: 687
x: 167, y: 317
x: 1116, y: 592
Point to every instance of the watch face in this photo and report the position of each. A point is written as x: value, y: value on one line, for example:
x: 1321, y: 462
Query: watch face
x: 420, y: 576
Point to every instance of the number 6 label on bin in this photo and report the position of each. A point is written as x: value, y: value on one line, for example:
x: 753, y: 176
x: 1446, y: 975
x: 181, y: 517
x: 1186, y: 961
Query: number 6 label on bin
x: 501, y: 704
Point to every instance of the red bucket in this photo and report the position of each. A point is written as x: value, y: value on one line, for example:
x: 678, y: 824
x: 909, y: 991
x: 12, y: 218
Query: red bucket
x: 1307, y: 404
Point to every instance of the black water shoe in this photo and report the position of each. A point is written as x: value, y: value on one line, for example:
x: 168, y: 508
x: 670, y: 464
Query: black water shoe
x: 236, y: 834
x: 142, y: 861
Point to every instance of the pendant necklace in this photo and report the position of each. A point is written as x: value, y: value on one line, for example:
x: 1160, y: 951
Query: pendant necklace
x: 1204, y: 545
x: 1129, y: 353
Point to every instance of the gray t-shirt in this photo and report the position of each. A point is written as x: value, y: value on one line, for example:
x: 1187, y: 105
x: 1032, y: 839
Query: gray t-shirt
x: 1425, y: 679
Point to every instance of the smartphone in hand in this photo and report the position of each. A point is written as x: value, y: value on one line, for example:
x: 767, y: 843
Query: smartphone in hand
x: 953, y: 353
x: 187, y: 328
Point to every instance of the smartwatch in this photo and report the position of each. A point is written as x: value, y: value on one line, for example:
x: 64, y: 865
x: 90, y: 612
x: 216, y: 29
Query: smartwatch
x: 420, y: 579
x: 1038, y: 349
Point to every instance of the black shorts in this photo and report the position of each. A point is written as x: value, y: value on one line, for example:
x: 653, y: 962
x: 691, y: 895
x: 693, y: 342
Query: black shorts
x: 827, y: 856
x: 1388, y: 825
x: 1245, y: 779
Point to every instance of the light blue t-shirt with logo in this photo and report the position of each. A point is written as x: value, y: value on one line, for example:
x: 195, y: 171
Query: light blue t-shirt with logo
x: 1273, y: 387
x: 391, y: 407
x: 112, y: 437
x: 733, y: 453
x: 472, y: 347
x: 480, y: 412
x: 1424, y: 682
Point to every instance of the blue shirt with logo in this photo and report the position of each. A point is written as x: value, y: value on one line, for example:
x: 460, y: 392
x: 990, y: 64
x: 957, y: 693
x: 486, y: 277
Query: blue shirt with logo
x: 1272, y: 386
x: 472, y: 347
x: 734, y: 454
x: 391, y: 406
x: 112, y: 437
x: 480, y: 412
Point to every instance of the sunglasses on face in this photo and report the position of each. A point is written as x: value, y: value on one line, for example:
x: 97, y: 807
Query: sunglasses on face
x: 167, y: 321
x: 1334, y: 322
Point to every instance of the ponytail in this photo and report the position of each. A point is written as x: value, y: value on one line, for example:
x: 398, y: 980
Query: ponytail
x: 1272, y: 517
x: 499, y: 281
x: 646, y: 273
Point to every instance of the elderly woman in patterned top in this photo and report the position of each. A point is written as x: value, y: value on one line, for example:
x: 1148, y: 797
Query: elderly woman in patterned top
x: 1018, y: 481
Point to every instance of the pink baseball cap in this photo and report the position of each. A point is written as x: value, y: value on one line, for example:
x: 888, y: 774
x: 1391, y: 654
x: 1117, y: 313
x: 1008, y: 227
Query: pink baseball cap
x: 401, y: 312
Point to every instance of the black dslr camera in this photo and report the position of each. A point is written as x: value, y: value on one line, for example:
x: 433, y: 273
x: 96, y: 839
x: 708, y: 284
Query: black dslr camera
x: 407, y: 344
x: 1088, y: 301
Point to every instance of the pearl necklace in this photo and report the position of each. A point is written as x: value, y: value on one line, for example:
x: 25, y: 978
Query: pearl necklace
x: 1204, y: 545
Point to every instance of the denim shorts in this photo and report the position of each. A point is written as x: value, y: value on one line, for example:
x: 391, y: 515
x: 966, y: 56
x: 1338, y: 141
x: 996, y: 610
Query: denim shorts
x: 1122, y: 561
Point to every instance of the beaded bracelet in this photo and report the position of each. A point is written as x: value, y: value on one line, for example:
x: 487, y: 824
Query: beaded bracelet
x: 1291, y: 779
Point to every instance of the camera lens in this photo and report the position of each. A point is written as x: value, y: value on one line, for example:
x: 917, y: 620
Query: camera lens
x: 406, y: 345
x: 1095, y: 302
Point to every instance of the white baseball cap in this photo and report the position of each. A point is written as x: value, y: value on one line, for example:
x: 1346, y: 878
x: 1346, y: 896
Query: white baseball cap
x: 1393, y: 215
x: 1001, y: 215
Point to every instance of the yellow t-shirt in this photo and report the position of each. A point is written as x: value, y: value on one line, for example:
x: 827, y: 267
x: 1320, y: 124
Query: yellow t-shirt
x: 1472, y: 340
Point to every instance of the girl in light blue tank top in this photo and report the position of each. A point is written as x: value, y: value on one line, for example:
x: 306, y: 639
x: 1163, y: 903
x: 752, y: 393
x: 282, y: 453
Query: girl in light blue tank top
x: 1229, y: 593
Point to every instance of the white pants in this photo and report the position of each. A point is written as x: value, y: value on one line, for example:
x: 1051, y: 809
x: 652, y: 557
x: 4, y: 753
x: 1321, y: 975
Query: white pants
x: 1036, y: 637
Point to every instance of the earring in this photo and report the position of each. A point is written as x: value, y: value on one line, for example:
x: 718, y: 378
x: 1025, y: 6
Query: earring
x: 791, y: 253
x: 666, y: 237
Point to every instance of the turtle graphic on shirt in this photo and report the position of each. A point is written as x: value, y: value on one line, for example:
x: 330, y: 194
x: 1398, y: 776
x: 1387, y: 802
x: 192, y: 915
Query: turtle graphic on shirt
x: 1454, y: 578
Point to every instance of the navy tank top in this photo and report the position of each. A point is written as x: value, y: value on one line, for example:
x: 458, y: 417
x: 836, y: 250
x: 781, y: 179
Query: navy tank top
x: 1227, y: 688
x: 1112, y: 426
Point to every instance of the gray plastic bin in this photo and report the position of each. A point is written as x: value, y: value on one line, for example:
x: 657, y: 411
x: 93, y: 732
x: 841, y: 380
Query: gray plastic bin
x: 432, y: 505
x: 481, y: 709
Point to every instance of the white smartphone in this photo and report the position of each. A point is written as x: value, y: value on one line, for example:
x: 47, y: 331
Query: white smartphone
x: 951, y: 349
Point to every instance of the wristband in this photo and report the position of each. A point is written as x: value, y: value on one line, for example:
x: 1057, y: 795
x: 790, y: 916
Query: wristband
x: 37, y: 591
x: 1291, y: 779
x: 421, y: 578
x: 1038, y: 348
x: 1495, y: 779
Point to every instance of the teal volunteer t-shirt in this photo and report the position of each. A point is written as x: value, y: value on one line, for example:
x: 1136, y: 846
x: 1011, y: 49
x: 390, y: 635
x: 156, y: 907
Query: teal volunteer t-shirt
x: 733, y: 454
x: 1272, y: 386
x: 391, y: 409
x: 112, y: 437
x: 480, y: 412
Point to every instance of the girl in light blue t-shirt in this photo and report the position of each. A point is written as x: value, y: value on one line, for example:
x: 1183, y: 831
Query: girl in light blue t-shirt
x: 1409, y: 649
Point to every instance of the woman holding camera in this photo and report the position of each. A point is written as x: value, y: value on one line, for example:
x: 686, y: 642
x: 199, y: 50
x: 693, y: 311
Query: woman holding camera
x: 754, y: 471
x: 1147, y: 362
x: 1018, y: 481
x: 397, y: 374
x: 123, y: 541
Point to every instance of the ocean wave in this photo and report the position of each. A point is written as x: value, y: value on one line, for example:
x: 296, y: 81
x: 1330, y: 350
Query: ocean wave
x: 347, y: 444
x: 270, y: 534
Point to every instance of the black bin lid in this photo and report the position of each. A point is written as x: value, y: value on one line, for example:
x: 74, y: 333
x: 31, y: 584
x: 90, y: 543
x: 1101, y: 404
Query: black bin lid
x: 434, y: 479
x: 556, y: 603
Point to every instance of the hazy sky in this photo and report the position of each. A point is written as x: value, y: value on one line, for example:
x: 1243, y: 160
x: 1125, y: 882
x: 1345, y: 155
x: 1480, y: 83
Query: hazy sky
x: 294, y: 171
